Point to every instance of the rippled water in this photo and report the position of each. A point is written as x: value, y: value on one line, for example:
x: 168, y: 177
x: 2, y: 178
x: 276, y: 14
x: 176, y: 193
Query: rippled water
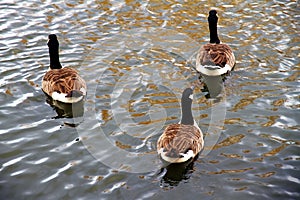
x: 135, y: 58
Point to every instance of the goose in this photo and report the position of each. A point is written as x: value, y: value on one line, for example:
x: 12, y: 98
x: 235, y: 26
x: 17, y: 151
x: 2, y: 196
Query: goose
x: 182, y: 141
x: 62, y: 84
x: 214, y: 58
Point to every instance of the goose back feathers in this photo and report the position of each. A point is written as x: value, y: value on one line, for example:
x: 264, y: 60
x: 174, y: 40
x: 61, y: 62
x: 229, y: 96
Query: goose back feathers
x: 180, y: 142
x: 64, y: 85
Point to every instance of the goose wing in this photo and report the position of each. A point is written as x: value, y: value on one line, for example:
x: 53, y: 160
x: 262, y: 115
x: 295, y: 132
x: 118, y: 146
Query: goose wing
x: 65, y: 81
x: 217, y: 54
x: 178, y: 139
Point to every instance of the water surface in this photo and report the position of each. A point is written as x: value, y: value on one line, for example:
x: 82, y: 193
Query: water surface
x: 146, y: 46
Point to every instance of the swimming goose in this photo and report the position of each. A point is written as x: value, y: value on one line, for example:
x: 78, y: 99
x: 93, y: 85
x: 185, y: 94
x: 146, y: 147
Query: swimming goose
x: 183, y: 141
x: 62, y: 84
x: 214, y: 59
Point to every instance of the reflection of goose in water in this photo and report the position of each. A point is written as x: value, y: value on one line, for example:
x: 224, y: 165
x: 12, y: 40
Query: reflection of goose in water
x: 214, y: 60
x: 62, y: 84
x: 177, y: 172
x: 66, y: 110
x: 183, y: 141
x: 214, y: 85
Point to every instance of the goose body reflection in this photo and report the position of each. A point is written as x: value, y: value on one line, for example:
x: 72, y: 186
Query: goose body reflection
x: 62, y: 84
x: 66, y: 110
x: 174, y: 173
x: 214, y: 85
x: 183, y: 141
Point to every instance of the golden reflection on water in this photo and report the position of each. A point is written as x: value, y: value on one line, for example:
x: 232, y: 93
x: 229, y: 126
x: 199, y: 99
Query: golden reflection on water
x: 275, y: 151
x: 233, y: 155
x: 294, y: 77
x: 263, y: 37
x: 259, y: 159
x: 157, y: 120
x: 278, y: 102
x: 122, y: 146
x: 242, y: 104
x: 237, y: 121
x: 266, y: 175
x: 231, y: 171
x: 229, y: 141
x: 106, y: 115
x: 272, y: 120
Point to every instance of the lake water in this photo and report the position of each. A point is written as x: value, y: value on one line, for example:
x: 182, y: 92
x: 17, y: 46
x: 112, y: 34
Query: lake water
x: 137, y: 57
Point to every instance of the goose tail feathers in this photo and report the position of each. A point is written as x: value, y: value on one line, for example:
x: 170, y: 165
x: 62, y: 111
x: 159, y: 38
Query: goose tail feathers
x: 75, y: 93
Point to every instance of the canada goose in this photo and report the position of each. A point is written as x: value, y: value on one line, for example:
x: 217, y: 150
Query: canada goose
x: 214, y: 59
x: 183, y: 141
x: 62, y: 84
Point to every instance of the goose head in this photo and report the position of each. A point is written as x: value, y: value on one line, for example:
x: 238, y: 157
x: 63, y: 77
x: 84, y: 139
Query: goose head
x: 186, y: 107
x: 187, y: 95
x: 52, y: 41
x: 53, y: 52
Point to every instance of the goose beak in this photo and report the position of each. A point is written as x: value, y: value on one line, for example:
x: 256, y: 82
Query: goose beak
x: 192, y: 87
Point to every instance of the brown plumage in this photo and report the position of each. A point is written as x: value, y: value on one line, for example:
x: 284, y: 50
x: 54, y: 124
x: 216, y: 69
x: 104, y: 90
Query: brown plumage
x: 218, y: 54
x: 62, y: 84
x: 65, y: 80
x: 179, y: 138
x: 214, y: 59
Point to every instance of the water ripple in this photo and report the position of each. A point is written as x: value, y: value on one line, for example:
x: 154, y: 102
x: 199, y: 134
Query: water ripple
x: 257, y: 155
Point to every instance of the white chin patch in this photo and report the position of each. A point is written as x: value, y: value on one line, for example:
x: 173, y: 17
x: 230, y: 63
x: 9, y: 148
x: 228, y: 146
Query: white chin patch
x: 191, y: 96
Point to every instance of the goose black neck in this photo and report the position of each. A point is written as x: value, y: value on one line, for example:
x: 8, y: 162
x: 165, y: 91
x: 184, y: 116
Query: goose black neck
x: 54, y: 57
x: 187, y: 115
x: 213, y: 30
